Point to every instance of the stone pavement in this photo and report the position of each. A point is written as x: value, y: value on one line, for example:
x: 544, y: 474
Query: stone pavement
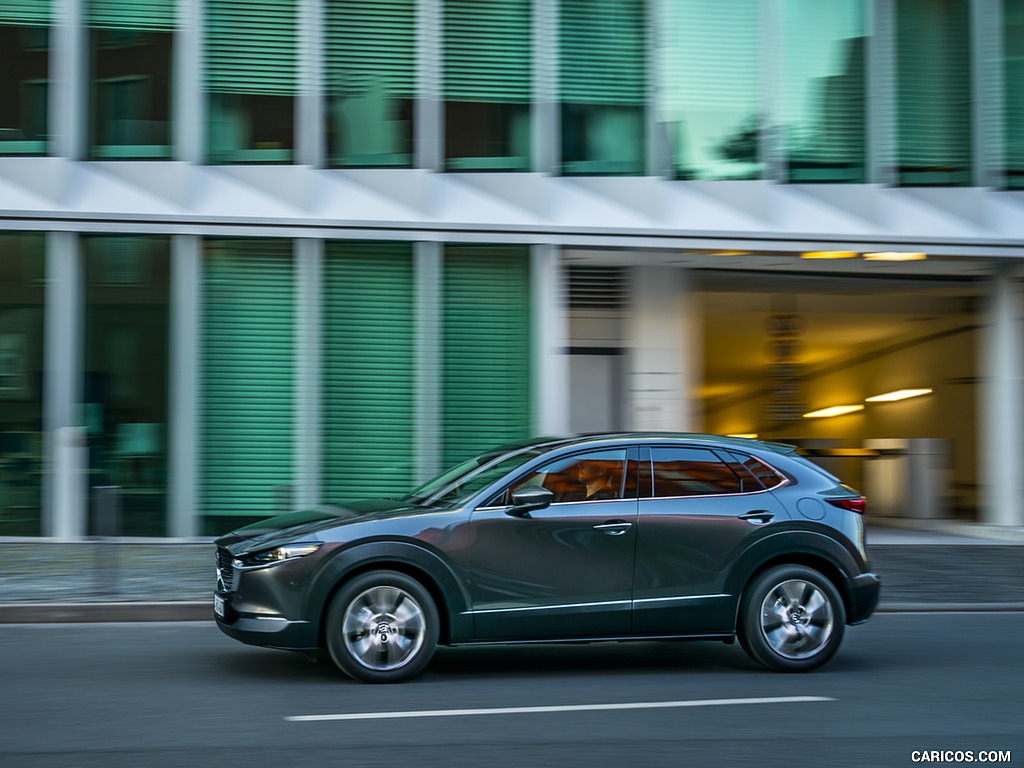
x: 924, y: 565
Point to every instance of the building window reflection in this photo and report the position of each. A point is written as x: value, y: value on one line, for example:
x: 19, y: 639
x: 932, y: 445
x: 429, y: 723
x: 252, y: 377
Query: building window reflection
x: 934, y: 112
x: 251, y: 80
x: 709, y: 77
x: 130, y: 46
x: 22, y: 270
x: 24, y: 76
x: 603, y: 61
x: 371, y: 82
x: 1013, y: 74
x: 127, y: 299
x: 487, y: 84
x: 824, y: 90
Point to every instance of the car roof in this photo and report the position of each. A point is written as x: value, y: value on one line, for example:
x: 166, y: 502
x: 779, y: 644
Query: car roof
x: 552, y: 442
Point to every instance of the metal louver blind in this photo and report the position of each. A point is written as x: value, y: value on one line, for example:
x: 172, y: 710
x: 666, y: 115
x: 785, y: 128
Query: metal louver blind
x: 25, y: 13
x: 487, y: 50
x: 597, y: 288
x: 1013, y: 46
x: 369, y: 42
x: 248, y: 371
x: 934, y: 95
x: 131, y: 14
x: 368, y: 369
x: 486, y: 358
x: 251, y: 46
x: 603, y: 52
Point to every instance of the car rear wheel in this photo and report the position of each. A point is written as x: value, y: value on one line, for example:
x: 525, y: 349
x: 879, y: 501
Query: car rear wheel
x: 792, y: 619
x: 382, y: 627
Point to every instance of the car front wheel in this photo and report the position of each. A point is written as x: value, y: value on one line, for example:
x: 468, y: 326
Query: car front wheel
x: 792, y: 619
x: 382, y: 627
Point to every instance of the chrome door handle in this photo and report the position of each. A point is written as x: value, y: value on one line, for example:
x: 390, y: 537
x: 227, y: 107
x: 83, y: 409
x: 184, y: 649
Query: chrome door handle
x: 614, y: 528
x: 758, y: 516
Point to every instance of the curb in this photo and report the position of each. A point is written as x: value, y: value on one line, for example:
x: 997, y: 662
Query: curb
x: 85, y: 613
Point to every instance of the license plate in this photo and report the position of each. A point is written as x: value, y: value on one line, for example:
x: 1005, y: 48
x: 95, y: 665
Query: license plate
x: 218, y: 605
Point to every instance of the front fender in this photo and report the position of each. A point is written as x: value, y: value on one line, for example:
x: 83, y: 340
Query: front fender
x: 451, y: 595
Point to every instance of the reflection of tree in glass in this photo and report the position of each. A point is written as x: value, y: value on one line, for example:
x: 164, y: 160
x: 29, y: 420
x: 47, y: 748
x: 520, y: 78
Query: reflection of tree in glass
x: 741, y: 145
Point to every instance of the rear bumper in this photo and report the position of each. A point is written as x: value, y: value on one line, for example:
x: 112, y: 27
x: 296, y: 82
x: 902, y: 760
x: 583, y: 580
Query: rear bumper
x: 864, y: 592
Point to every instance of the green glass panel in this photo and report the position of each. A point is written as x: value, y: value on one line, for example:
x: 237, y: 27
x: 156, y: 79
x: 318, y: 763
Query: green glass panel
x: 126, y: 360
x: 487, y: 84
x: 368, y: 370
x: 934, y: 110
x: 251, y: 76
x: 486, y: 357
x: 1013, y: 74
x: 709, y: 78
x: 602, y: 86
x: 131, y: 14
x: 371, y: 81
x: 823, y: 109
x: 24, y: 13
x: 248, y: 370
x: 24, y: 76
x: 22, y: 308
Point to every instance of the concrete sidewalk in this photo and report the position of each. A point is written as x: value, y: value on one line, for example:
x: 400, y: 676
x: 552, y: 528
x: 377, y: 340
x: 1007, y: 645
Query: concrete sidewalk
x: 924, y: 565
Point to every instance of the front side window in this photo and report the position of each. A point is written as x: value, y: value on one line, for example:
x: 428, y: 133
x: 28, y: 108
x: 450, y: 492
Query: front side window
x: 24, y: 76
x: 694, y: 472
x: 592, y: 476
x: 130, y: 45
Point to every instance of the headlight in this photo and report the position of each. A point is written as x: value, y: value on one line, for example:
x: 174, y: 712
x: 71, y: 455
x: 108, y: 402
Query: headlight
x: 277, y: 554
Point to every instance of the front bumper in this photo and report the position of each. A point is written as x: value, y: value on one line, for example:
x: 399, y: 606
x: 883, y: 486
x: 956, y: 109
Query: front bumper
x: 267, y: 630
x: 864, y: 593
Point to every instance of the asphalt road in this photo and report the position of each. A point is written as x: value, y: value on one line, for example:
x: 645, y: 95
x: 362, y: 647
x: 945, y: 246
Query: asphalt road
x: 177, y: 695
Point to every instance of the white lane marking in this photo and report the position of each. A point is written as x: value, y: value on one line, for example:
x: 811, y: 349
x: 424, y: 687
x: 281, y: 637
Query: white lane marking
x: 564, y: 708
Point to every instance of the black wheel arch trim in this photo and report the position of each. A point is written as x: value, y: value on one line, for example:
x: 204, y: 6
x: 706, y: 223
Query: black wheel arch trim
x: 800, y: 548
x: 409, y: 558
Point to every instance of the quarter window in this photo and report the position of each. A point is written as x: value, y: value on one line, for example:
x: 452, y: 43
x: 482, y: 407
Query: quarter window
x: 692, y: 472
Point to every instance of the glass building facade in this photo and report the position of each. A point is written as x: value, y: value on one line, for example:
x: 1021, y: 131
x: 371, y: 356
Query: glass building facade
x: 264, y: 254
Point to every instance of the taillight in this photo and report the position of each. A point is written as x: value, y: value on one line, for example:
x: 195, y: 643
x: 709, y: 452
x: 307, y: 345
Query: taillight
x: 857, y: 505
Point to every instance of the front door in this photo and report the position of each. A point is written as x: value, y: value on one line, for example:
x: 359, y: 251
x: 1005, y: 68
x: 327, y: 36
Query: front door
x: 565, y: 571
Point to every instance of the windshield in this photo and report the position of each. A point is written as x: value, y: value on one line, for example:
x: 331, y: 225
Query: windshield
x: 457, y: 484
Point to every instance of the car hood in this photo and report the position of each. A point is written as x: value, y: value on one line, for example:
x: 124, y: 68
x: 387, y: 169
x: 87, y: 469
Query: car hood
x: 308, y: 523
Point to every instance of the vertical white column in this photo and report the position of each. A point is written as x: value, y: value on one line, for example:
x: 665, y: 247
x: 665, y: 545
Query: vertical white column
x: 429, y: 307
x: 664, y: 350
x: 881, y: 92
x: 188, y: 101
x: 987, y: 86
x: 184, y: 442
x: 68, y: 64
x: 309, y: 112
x: 1001, y: 404
x: 65, y: 447
x: 429, y: 138
x: 545, y: 141
x: 309, y: 255
x: 550, y: 330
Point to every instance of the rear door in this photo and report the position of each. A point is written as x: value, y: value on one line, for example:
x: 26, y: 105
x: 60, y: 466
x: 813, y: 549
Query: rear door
x: 698, y: 509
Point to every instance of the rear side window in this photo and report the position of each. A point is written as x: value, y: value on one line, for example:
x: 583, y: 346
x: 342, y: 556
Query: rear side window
x: 766, y: 476
x: 692, y: 472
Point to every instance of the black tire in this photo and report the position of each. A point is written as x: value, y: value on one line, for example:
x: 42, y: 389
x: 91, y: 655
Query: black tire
x: 382, y: 627
x: 792, y: 619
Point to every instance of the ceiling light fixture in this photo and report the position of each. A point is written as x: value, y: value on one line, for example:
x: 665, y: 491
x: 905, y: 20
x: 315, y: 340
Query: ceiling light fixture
x: 829, y: 255
x: 899, y: 394
x: 834, y: 410
x: 895, y: 256
x: 746, y: 435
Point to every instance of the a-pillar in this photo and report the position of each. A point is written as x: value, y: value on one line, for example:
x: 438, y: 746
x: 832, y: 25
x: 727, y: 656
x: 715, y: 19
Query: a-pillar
x: 665, y: 353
